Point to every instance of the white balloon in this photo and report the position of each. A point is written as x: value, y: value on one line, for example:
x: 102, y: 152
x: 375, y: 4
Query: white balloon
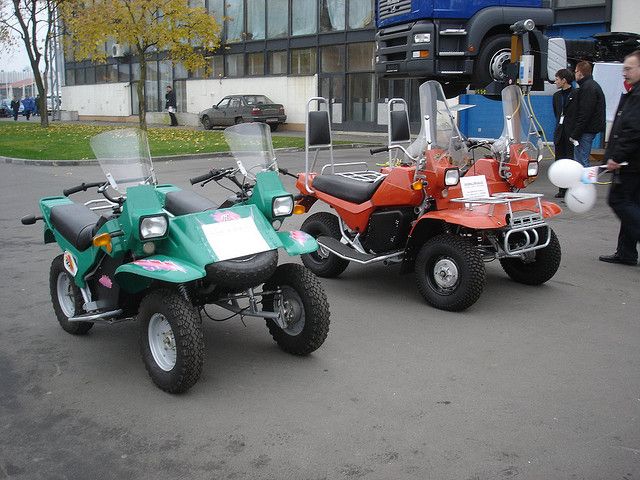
x: 581, y: 198
x: 565, y: 173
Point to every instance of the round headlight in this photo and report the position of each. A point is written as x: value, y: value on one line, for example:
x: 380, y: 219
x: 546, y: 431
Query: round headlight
x: 153, y: 227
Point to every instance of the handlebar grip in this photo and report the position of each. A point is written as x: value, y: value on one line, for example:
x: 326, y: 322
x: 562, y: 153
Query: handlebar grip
x: 30, y: 219
x: 204, y: 177
x: 81, y: 188
x: 373, y: 151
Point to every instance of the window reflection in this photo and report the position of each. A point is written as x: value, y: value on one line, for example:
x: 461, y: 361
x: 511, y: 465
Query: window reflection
x: 277, y: 18
x: 360, y: 13
x: 332, y: 59
x: 278, y: 63
x: 303, y: 17
x: 255, y: 20
x: 360, y: 57
x: 332, y: 15
x: 234, y: 20
x: 303, y: 61
x: 255, y: 63
x: 235, y: 65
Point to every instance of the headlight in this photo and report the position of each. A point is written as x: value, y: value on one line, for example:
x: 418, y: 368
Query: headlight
x: 422, y: 38
x: 532, y: 169
x: 451, y: 177
x: 282, y: 206
x: 153, y: 227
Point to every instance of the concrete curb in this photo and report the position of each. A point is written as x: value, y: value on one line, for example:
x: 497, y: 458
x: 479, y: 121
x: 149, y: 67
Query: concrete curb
x: 165, y: 158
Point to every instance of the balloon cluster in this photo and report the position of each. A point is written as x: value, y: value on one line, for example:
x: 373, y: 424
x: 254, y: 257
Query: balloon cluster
x: 567, y: 173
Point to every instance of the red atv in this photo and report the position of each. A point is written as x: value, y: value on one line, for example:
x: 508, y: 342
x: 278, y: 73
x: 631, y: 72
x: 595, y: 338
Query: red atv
x: 436, y: 211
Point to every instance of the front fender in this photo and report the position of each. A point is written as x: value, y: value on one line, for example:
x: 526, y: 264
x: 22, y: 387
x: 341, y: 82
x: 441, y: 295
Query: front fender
x: 297, y: 242
x: 137, y: 275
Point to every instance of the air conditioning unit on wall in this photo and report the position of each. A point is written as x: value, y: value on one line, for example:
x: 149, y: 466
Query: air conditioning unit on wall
x: 119, y: 50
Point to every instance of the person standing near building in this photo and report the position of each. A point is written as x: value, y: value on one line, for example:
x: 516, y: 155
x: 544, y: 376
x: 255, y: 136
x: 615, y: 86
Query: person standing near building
x: 15, y: 106
x: 590, y: 113
x: 171, y: 105
x: 564, y: 108
x: 624, y: 146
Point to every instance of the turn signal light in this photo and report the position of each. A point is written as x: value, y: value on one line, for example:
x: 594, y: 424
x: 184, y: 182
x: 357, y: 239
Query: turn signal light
x: 103, y: 240
x: 417, y: 185
x: 299, y: 210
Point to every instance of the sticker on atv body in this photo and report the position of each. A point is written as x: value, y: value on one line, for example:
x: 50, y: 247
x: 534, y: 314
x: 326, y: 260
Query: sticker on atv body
x: 152, y: 265
x: 70, y: 263
x: 235, y: 238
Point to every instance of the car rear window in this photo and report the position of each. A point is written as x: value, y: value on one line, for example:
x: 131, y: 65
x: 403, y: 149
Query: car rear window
x: 257, y: 99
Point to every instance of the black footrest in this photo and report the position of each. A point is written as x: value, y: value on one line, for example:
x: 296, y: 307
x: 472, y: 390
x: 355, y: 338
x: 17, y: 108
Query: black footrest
x: 344, y: 251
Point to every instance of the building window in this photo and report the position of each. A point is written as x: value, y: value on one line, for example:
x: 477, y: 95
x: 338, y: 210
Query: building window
x: 303, y: 61
x: 217, y: 66
x: 255, y: 63
x: 179, y: 72
x: 112, y: 73
x: 277, y: 18
x: 360, y: 97
x: 277, y: 63
x: 235, y: 65
x: 90, y: 75
x: 332, y: 15
x: 135, y: 71
x: 235, y: 20
x: 101, y: 74
x: 151, y: 87
x: 332, y: 59
x: 360, y: 13
x: 196, y: 3
x: 124, y: 73
x: 360, y: 57
x: 303, y: 17
x: 69, y: 78
x: 216, y: 9
x: 255, y: 20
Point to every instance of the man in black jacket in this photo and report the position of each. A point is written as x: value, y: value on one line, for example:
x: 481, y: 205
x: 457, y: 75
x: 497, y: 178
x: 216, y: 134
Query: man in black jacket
x: 590, y: 113
x: 624, y: 146
x: 564, y: 108
x: 171, y: 105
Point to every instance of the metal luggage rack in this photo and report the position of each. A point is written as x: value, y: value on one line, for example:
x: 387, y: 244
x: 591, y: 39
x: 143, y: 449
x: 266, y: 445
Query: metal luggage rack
x: 364, y: 175
x: 518, y: 222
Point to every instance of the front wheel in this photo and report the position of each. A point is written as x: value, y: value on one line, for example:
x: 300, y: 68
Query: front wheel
x: 450, y: 272
x: 303, y: 305
x: 66, y: 298
x: 207, y: 123
x: 538, y: 266
x: 171, y: 341
x: 322, y: 262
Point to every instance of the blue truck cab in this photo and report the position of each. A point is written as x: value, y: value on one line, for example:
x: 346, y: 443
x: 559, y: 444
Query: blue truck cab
x: 454, y: 41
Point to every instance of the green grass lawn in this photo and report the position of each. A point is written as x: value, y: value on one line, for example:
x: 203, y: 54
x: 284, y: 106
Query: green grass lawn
x: 70, y: 141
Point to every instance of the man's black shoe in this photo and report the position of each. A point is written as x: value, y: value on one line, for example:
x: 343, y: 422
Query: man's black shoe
x: 616, y: 259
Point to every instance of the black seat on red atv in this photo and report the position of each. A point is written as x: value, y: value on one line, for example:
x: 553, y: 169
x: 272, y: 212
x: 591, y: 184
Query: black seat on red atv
x: 348, y: 189
x: 75, y: 222
x: 182, y: 202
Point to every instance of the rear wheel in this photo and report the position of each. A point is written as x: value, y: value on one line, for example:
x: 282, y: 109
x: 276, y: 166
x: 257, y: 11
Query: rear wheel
x: 171, y: 340
x: 322, y: 262
x: 274, y: 126
x: 66, y: 298
x: 450, y: 272
x: 539, y: 267
x: 206, y: 123
x: 304, y: 307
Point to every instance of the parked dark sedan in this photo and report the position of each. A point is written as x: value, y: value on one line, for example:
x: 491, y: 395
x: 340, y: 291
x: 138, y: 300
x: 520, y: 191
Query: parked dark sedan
x: 234, y: 109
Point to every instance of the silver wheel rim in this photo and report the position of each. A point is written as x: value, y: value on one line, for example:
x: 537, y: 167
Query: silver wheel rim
x: 162, y: 342
x: 497, y: 61
x: 66, y: 298
x: 293, y: 311
x: 445, y: 273
x: 322, y: 252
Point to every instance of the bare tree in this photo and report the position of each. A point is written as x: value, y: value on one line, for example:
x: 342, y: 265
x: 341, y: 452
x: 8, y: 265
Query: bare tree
x: 27, y: 22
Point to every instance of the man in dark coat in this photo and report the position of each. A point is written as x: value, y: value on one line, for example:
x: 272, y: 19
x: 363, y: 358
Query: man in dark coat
x: 590, y: 113
x: 624, y: 146
x: 564, y: 108
x: 15, y: 106
x: 171, y: 105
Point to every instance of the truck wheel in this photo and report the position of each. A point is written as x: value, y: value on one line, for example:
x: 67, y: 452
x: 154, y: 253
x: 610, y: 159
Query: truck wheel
x: 542, y: 267
x: 322, y: 262
x: 171, y: 341
x: 66, y: 298
x: 450, y: 272
x: 306, y: 309
x: 490, y: 64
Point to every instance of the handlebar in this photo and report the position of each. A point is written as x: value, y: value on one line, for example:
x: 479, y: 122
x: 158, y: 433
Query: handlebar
x: 373, y: 151
x: 83, y: 187
x: 284, y: 171
x: 215, y: 174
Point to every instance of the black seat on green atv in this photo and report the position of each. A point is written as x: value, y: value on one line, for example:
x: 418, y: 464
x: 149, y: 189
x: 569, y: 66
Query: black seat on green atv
x: 75, y: 222
x: 349, y: 189
x: 182, y: 202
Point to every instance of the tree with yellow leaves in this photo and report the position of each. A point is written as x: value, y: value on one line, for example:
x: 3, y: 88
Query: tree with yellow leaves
x: 187, y: 34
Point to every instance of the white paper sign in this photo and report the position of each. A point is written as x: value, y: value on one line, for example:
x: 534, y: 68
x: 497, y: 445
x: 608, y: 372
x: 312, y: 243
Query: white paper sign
x: 235, y: 238
x: 474, y: 187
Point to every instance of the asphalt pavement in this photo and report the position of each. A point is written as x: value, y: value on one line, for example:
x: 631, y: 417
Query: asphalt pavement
x: 530, y: 382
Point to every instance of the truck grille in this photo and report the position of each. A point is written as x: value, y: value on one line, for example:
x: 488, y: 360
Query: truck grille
x: 391, y: 8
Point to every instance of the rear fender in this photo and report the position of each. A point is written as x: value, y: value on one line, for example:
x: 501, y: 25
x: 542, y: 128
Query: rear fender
x: 297, y: 242
x: 135, y: 276
x: 423, y: 230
